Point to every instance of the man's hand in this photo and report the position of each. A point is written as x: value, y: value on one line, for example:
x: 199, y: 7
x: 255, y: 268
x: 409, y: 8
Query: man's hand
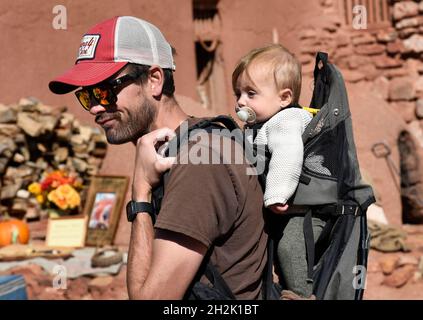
x: 149, y: 165
x: 279, y: 208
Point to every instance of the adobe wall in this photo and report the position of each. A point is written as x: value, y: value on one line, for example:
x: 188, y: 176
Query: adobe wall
x: 383, y: 69
x: 33, y: 52
x: 248, y: 24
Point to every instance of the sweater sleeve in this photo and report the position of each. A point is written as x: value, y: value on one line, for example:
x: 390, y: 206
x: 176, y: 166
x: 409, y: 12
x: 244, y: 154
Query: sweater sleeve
x: 284, y: 139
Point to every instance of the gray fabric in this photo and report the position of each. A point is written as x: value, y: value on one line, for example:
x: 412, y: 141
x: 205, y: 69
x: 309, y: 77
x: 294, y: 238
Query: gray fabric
x: 346, y: 187
x: 340, y: 286
x: 336, y: 110
x: 292, y: 254
x: 317, y: 192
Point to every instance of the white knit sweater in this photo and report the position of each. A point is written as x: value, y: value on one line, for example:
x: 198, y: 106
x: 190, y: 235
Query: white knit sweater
x: 283, y: 135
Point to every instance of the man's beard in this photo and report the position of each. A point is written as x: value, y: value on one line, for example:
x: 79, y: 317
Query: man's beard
x: 140, y: 120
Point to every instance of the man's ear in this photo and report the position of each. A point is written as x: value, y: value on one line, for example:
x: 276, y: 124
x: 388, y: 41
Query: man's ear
x: 156, y: 80
x: 286, y: 97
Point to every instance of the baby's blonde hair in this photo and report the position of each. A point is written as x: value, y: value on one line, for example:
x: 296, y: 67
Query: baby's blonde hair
x: 286, y: 68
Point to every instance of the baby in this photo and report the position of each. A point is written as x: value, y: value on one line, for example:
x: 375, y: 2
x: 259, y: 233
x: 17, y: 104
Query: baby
x: 267, y: 85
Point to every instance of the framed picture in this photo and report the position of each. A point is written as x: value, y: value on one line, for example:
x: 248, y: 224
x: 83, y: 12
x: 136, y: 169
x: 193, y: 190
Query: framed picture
x: 68, y: 231
x: 103, y: 206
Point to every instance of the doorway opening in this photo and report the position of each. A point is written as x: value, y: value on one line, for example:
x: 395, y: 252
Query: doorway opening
x: 209, y: 61
x: 411, y: 183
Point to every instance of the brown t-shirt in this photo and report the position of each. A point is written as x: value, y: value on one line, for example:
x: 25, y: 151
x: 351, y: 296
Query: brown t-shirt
x: 219, y: 204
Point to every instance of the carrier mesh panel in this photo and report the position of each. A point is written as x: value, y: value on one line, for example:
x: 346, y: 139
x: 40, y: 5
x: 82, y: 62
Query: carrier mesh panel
x: 321, y: 155
x: 347, y: 179
x: 314, y: 163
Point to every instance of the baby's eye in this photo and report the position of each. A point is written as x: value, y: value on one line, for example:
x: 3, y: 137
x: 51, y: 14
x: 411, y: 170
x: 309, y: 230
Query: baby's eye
x: 251, y: 93
x: 237, y: 95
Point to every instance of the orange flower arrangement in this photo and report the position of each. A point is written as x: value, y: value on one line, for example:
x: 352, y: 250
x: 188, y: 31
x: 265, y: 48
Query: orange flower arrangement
x: 57, y: 189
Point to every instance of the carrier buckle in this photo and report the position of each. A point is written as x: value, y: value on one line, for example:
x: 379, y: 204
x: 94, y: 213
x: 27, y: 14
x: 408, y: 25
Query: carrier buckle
x: 350, y: 210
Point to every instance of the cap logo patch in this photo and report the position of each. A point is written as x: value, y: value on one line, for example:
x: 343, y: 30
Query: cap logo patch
x: 87, y: 47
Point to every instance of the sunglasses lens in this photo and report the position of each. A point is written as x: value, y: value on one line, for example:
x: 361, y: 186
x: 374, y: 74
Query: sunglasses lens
x: 84, y: 98
x: 102, y: 95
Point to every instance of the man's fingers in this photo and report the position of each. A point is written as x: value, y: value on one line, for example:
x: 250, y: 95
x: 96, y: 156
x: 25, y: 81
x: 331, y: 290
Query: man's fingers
x: 162, y: 149
x: 162, y: 134
x: 163, y: 164
x: 155, y: 136
x: 162, y: 138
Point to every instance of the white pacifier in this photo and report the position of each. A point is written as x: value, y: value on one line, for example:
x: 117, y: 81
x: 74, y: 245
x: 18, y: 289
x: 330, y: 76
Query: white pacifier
x: 246, y: 114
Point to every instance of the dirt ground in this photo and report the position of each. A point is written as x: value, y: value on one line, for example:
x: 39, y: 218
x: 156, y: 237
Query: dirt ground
x: 411, y: 289
x: 403, y: 283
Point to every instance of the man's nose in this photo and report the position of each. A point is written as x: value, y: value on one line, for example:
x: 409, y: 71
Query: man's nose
x: 97, y: 108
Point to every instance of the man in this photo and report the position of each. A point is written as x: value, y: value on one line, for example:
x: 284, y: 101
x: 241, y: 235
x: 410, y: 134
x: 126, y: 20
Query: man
x: 125, y: 70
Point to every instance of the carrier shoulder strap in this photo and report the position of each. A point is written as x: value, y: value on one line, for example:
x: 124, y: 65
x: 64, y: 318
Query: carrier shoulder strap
x: 206, y: 268
x: 321, y: 81
x: 218, y: 282
x: 309, y: 244
x: 320, y: 97
x: 210, y: 272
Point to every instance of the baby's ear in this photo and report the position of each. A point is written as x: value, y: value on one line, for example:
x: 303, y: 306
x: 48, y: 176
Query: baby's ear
x: 285, y: 96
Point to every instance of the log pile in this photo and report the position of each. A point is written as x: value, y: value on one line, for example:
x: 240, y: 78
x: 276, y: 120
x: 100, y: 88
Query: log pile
x: 35, y: 138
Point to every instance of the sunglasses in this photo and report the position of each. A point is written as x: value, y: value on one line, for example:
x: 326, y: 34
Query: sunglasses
x: 103, y: 93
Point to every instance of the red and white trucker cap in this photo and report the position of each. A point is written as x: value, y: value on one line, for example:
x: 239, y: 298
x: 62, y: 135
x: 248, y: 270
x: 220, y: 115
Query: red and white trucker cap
x: 109, y: 46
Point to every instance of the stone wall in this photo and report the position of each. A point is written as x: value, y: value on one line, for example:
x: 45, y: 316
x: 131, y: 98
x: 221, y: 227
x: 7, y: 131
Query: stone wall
x: 387, y: 62
x: 389, y: 58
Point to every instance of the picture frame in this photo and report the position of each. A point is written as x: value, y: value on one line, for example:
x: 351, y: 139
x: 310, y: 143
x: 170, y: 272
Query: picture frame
x: 103, y: 206
x: 67, y: 232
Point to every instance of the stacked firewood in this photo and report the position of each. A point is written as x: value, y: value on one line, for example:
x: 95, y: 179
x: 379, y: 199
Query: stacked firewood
x: 35, y: 138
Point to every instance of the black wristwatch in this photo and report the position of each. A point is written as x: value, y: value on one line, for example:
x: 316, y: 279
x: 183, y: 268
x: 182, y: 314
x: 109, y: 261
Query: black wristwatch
x: 134, y: 207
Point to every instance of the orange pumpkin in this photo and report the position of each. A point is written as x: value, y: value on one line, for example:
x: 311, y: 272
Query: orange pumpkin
x: 13, y: 231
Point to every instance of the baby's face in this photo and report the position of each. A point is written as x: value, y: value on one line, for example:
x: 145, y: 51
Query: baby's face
x: 258, y: 91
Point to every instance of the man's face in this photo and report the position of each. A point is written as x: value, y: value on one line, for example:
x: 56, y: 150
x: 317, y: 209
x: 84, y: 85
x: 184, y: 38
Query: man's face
x: 130, y: 117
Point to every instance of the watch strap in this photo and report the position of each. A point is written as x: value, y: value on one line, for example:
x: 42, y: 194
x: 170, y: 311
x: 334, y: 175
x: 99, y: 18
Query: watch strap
x: 134, y: 207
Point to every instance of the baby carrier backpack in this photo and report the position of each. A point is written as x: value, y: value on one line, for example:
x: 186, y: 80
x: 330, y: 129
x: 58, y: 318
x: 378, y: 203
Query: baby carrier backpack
x: 330, y: 184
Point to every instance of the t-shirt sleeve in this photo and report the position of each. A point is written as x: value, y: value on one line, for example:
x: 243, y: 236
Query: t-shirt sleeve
x: 200, y: 201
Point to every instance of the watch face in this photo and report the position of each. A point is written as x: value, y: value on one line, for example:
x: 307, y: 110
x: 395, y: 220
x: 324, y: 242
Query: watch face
x: 129, y: 212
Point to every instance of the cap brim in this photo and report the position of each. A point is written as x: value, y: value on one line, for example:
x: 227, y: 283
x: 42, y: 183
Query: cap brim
x: 84, y: 74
